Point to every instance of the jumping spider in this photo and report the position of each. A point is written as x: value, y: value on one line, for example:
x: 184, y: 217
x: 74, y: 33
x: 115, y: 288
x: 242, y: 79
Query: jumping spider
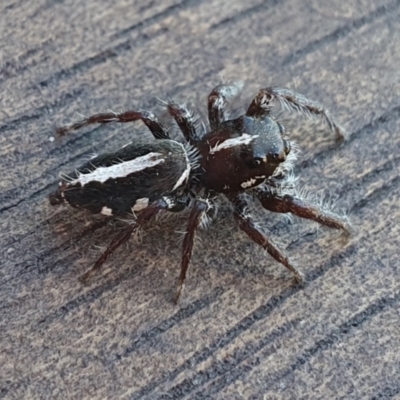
x: 242, y: 158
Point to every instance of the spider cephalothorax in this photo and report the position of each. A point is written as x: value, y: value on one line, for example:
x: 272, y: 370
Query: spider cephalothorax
x: 244, y: 158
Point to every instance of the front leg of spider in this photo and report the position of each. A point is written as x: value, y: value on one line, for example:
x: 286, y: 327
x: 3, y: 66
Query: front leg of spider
x: 292, y: 101
x: 197, y: 213
x: 276, y: 202
x: 247, y: 224
x: 219, y: 99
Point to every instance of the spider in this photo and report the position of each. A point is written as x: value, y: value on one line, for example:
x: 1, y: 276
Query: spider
x: 247, y: 158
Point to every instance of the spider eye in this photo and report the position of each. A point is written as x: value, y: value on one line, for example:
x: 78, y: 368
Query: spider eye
x: 254, y: 162
x: 277, y: 157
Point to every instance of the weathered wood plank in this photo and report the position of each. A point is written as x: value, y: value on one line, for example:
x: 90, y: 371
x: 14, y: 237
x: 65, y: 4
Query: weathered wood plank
x: 242, y: 330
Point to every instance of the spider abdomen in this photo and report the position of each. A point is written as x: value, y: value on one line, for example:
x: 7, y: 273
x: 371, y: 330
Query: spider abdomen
x: 128, y: 180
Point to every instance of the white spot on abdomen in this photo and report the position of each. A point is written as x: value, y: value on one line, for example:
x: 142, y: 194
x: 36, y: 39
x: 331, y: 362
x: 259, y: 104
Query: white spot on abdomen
x: 106, y: 211
x: 140, y: 204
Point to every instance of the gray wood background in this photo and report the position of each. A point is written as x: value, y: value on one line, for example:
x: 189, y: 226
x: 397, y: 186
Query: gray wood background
x: 242, y: 331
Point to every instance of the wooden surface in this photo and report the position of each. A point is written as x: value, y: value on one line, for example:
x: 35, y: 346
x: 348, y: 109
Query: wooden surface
x: 242, y: 331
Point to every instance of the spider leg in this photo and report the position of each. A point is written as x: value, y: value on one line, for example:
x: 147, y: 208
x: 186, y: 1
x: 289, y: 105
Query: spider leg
x: 218, y: 100
x: 276, y: 202
x: 123, y: 237
x: 186, y: 121
x: 247, y: 224
x: 197, y: 213
x: 292, y: 101
x: 148, y: 118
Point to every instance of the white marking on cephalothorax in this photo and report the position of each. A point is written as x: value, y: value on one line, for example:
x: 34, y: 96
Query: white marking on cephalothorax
x: 106, y: 211
x: 120, y: 170
x: 252, y: 181
x: 244, y: 139
x: 140, y: 204
x: 248, y: 183
x: 169, y: 201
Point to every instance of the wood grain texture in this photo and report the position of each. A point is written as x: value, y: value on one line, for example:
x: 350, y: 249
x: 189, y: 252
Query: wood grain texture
x: 242, y: 331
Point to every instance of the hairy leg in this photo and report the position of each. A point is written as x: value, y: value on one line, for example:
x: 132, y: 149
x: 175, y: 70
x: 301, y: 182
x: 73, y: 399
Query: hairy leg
x: 292, y: 101
x: 247, y: 224
x: 218, y: 100
x: 199, y: 210
x: 148, y: 118
x: 290, y: 204
x: 124, y: 236
x: 186, y: 121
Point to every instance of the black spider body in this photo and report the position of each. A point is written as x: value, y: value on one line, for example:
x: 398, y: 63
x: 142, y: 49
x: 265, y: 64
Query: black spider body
x: 128, y: 180
x: 249, y: 155
x: 241, y: 154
